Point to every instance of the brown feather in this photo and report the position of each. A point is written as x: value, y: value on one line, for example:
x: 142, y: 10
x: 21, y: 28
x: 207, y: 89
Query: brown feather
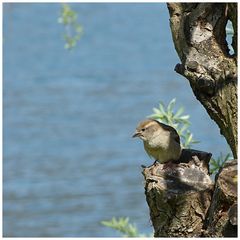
x: 169, y: 128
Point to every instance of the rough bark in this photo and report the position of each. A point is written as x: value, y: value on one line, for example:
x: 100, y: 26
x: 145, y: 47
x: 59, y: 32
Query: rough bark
x: 222, y: 216
x: 199, y: 35
x: 184, y: 202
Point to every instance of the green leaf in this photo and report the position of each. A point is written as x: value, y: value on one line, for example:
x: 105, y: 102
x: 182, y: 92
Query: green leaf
x: 179, y: 112
x: 171, y: 105
x: 157, y: 111
x: 185, y: 117
x: 183, y: 128
x: 153, y: 116
x: 216, y: 164
x: 161, y: 108
x: 124, y: 227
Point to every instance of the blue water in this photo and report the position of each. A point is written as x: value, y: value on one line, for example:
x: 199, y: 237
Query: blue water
x: 69, y: 159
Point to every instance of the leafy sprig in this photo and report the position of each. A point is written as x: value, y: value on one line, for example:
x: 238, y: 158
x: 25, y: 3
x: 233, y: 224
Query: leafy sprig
x: 216, y: 164
x: 123, y: 226
x: 176, y: 119
x: 73, y: 30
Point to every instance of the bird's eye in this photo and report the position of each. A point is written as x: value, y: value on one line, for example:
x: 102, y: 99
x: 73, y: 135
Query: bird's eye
x: 143, y: 129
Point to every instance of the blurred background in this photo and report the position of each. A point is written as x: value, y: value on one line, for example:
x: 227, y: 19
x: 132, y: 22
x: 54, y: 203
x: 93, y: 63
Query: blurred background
x: 69, y: 159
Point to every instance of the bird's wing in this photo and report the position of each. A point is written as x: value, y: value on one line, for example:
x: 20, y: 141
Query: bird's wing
x: 176, y: 137
x: 173, y: 131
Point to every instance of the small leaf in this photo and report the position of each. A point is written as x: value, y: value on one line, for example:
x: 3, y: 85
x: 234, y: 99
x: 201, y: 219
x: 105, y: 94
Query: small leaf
x: 179, y: 112
x: 161, y: 108
x: 153, y: 116
x: 156, y: 110
x: 185, y: 117
x: 171, y: 105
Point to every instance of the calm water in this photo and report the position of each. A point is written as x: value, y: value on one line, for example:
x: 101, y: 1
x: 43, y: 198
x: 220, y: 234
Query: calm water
x: 69, y: 159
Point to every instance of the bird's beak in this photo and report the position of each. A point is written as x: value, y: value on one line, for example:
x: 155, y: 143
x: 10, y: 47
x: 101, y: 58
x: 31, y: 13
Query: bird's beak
x: 136, y: 134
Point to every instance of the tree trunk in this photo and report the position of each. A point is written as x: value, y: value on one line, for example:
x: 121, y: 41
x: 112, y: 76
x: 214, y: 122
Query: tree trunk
x: 184, y: 202
x: 199, y: 35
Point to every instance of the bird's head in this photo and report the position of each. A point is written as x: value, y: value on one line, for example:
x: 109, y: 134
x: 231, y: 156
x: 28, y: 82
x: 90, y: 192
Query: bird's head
x: 146, y: 129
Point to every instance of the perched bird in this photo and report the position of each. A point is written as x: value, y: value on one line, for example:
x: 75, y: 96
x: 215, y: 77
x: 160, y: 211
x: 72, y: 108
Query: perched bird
x: 160, y: 141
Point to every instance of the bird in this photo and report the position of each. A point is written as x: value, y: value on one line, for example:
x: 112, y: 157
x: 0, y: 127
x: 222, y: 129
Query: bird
x: 160, y: 140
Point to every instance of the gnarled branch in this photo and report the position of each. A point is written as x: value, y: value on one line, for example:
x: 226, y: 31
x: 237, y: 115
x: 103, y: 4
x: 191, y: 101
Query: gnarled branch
x: 199, y: 35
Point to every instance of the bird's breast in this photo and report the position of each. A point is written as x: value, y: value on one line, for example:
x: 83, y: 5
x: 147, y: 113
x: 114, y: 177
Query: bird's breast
x: 160, y: 140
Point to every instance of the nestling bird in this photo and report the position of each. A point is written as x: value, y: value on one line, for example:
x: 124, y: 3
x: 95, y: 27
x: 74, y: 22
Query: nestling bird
x: 161, y: 141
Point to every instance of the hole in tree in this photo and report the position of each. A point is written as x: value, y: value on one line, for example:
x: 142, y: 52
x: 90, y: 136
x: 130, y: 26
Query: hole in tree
x: 229, y: 36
